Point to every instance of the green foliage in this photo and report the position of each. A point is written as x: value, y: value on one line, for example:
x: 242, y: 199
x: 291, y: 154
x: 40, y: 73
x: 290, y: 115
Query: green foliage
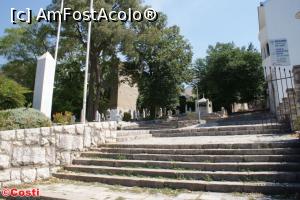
x: 11, y: 94
x: 104, y: 59
x: 161, y: 65
x: 157, y: 58
x: 22, y: 118
x: 63, y: 118
x: 182, y: 104
x: 21, y: 46
x: 127, y: 117
x: 297, y: 124
x: 191, y: 105
x: 68, y: 88
x: 230, y: 74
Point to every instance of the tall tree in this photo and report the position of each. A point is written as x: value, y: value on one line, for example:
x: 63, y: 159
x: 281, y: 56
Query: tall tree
x: 161, y: 60
x: 143, y: 44
x: 230, y: 74
x: 21, y: 46
x: 106, y: 40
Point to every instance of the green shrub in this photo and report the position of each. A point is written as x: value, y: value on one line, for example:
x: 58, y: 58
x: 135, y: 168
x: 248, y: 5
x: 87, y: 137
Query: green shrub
x: 297, y: 124
x: 127, y: 117
x: 11, y: 94
x: 60, y: 118
x: 22, y: 118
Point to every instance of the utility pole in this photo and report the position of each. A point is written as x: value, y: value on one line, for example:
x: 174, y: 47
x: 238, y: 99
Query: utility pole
x: 197, y: 99
x: 83, y: 112
x: 58, y: 32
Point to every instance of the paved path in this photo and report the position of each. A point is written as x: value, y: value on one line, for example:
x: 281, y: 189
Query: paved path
x: 102, y: 192
x: 215, y: 139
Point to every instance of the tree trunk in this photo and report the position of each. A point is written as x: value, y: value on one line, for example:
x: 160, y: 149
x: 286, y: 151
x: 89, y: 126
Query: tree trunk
x: 91, y: 106
x: 228, y: 109
x: 98, y: 87
x: 152, y: 112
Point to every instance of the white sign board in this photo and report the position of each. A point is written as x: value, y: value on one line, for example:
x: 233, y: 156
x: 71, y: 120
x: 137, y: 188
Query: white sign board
x: 279, y: 51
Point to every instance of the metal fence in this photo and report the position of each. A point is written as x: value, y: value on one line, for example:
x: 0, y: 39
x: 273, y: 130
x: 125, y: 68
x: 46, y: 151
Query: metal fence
x: 281, y: 97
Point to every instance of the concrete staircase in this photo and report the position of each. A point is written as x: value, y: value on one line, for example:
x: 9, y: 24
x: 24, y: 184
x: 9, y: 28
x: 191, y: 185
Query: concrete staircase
x: 123, y: 136
x: 265, y: 167
x: 221, y: 131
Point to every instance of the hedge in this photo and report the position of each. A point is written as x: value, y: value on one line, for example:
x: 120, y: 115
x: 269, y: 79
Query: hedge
x: 22, y: 118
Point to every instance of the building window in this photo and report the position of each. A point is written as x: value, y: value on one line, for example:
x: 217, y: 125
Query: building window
x: 268, y: 49
x: 265, y: 51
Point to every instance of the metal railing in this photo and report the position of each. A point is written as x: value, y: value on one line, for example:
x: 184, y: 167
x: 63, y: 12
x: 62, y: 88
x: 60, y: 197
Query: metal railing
x: 281, y: 95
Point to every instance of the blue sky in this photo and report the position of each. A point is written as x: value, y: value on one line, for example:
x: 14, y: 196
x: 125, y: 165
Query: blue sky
x: 202, y: 22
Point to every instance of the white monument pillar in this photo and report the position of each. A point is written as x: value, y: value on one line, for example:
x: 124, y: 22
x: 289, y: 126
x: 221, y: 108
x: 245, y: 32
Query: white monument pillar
x: 44, y: 84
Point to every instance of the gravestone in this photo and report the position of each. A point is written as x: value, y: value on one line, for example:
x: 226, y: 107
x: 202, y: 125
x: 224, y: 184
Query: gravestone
x: 160, y: 114
x: 144, y: 114
x: 170, y: 113
x: 203, y: 106
x: 116, y: 115
x: 44, y: 84
x: 97, y: 116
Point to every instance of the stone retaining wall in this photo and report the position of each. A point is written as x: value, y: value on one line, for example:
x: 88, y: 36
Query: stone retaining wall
x: 32, y: 154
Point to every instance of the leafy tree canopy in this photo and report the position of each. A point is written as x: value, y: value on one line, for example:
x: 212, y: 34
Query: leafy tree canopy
x: 159, y: 64
x: 155, y: 56
x: 230, y: 74
x: 11, y: 94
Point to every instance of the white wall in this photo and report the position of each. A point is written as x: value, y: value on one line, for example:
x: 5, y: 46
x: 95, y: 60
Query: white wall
x: 278, y: 21
x: 281, y: 22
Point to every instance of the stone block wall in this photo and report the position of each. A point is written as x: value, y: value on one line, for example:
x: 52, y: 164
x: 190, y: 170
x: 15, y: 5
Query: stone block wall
x: 32, y: 154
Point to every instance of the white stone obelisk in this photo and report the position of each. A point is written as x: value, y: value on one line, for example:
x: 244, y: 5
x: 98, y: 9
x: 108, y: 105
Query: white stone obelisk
x: 44, y: 84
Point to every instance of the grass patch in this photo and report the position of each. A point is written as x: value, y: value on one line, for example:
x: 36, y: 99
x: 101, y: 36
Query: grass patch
x: 208, y: 178
x: 121, y: 157
x: 120, y: 198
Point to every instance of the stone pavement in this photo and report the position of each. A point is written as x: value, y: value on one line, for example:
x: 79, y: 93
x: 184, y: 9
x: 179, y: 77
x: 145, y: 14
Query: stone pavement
x: 215, y: 139
x: 96, y: 191
x: 67, y: 190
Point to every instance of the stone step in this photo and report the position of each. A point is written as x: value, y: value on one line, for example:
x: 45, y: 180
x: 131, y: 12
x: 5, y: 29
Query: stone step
x: 200, y: 151
x: 216, y: 133
x: 133, y: 137
x: 196, y: 158
x: 211, y: 186
x: 270, y: 176
x: 245, y: 166
x: 122, y: 133
x: 255, y: 127
x: 292, y: 144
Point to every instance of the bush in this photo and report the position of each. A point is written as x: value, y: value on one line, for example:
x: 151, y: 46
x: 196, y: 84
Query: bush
x: 22, y: 118
x: 11, y: 94
x: 60, y: 118
x: 127, y: 117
